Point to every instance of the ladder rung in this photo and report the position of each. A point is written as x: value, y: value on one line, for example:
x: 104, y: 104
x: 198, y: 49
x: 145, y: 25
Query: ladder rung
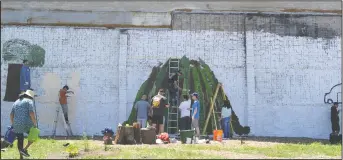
x: 173, y: 67
x: 172, y: 127
x: 172, y: 113
x: 172, y: 120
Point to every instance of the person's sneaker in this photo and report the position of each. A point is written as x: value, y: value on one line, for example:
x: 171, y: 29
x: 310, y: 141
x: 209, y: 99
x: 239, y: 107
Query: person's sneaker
x: 24, y: 153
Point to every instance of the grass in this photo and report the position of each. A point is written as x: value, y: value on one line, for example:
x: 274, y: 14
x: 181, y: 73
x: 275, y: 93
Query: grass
x: 48, y: 148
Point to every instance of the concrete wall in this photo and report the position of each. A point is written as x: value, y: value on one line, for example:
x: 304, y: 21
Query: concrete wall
x: 273, y: 81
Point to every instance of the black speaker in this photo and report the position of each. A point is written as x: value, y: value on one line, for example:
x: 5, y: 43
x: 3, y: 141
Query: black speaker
x: 335, y: 138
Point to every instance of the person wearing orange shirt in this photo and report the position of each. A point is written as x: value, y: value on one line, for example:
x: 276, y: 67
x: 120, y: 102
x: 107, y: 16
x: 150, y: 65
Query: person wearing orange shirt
x: 63, y: 101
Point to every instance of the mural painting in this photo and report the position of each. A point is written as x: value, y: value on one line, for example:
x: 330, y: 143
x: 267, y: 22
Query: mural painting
x: 20, y: 55
x: 334, y: 95
x: 196, y: 77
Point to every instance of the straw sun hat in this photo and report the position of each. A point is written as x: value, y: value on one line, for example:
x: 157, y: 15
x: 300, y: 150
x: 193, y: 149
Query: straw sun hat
x: 29, y: 93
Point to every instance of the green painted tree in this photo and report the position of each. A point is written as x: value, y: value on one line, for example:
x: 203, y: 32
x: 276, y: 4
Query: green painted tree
x: 197, y: 77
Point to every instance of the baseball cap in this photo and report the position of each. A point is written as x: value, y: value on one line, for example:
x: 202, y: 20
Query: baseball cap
x: 195, y: 94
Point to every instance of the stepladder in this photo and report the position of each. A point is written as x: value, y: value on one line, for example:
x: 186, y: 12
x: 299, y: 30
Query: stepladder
x: 65, y: 124
x: 173, y: 112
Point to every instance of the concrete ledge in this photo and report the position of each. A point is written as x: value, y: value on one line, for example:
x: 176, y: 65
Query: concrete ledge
x: 15, y: 16
x: 109, y: 26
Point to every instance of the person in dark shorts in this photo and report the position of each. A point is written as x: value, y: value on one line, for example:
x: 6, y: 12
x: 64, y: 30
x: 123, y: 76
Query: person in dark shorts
x: 173, y: 87
x: 158, y: 103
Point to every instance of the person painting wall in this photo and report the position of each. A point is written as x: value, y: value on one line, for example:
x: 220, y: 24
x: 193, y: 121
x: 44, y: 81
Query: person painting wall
x: 25, y: 79
x: 63, y: 101
x: 173, y: 87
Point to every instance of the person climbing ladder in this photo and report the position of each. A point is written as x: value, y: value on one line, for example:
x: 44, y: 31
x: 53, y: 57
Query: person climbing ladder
x: 173, y: 87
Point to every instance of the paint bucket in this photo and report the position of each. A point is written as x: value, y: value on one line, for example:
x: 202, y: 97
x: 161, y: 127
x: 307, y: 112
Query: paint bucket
x: 218, y: 135
x: 185, y: 134
x: 33, y: 135
x: 188, y: 140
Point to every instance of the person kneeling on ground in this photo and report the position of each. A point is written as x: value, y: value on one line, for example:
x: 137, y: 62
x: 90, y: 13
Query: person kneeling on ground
x: 159, y: 103
x: 23, y: 119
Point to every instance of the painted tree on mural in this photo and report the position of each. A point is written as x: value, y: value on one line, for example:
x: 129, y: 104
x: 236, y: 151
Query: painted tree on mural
x: 19, y: 49
x: 197, y: 77
x: 14, y: 52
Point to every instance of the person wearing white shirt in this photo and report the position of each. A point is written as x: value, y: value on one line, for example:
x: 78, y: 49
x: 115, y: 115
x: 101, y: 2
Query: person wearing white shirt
x: 225, y: 118
x: 184, y: 107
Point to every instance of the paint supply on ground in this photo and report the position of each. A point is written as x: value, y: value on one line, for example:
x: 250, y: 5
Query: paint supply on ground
x: 218, y: 135
x: 189, y: 141
x: 148, y: 136
x: 185, y: 134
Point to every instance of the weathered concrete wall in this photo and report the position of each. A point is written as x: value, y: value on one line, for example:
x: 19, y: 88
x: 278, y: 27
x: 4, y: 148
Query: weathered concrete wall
x: 170, y: 5
x: 100, y: 18
x: 141, y: 14
x: 273, y: 81
x: 283, y: 24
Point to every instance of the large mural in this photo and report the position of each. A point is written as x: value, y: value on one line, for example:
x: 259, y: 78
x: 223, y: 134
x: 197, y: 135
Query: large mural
x: 14, y: 52
x: 197, y: 77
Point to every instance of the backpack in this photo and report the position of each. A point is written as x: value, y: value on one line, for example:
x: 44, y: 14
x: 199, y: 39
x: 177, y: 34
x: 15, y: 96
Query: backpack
x: 156, y: 101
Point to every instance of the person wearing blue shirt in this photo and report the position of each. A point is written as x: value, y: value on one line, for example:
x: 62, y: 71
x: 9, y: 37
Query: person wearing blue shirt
x: 25, y: 80
x: 195, y: 114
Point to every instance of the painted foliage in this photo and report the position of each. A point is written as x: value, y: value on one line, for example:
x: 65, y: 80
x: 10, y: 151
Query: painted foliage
x: 197, y: 77
x: 14, y: 52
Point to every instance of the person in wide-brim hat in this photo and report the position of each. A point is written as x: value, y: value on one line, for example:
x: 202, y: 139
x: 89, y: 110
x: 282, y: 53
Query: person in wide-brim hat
x: 23, y: 118
x: 30, y: 93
